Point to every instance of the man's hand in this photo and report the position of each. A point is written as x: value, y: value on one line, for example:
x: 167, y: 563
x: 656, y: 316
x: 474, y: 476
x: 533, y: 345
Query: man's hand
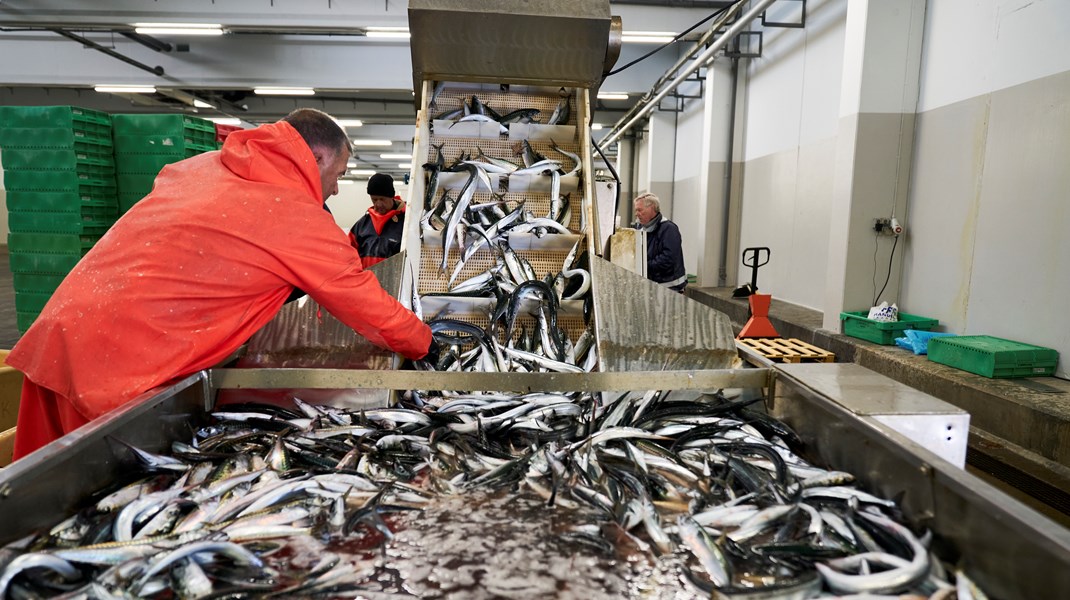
x: 433, y: 350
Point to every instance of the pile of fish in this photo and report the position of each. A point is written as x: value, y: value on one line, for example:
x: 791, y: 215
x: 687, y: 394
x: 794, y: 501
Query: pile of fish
x: 708, y: 483
x: 504, y: 346
x: 511, y: 287
x: 476, y: 111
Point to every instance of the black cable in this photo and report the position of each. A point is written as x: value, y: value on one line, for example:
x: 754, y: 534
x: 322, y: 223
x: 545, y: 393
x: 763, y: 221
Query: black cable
x: 889, y: 277
x: 616, y: 203
x: 609, y: 165
x: 666, y: 44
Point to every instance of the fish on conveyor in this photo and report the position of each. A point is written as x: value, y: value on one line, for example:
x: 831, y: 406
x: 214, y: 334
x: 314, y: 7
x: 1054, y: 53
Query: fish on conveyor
x: 562, y: 113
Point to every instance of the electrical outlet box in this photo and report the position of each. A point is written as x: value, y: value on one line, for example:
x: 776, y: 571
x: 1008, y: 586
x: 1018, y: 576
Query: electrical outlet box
x: 883, y: 225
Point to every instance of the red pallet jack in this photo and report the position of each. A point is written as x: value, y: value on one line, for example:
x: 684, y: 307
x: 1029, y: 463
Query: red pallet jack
x: 759, y: 325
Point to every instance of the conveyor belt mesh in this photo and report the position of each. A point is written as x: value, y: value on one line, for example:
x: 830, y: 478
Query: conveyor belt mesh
x: 543, y: 261
x: 503, y: 103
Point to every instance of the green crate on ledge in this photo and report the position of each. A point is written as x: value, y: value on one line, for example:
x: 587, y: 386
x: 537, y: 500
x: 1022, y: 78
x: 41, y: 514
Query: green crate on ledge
x: 993, y: 357
x: 857, y: 324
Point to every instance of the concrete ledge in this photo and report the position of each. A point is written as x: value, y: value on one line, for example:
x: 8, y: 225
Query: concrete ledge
x: 1030, y: 416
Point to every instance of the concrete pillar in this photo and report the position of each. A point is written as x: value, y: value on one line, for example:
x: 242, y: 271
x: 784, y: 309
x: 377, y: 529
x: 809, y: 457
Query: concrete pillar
x: 661, y: 158
x: 714, y: 151
x: 878, y: 101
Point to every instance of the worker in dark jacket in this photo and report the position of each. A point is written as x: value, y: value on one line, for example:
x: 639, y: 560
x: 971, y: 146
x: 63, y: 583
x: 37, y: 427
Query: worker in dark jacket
x: 377, y: 235
x: 664, y: 247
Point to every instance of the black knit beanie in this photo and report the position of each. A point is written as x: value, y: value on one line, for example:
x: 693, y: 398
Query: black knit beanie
x: 381, y: 184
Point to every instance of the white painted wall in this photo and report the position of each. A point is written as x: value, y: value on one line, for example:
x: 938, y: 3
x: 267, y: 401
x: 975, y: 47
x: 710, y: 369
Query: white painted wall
x: 987, y: 249
x: 973, y: 47
x: 688, y: 198
x: 792, y: 119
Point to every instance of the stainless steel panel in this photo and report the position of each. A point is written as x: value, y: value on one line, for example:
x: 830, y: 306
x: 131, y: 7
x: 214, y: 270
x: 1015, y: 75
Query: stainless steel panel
x: 866, y: 392
x: 563, y: 42
x: 939, y: 427
x: 303, y: 334
x: 40, y: 489
x: 1010, y: 550
x: 516, y: 382
x: 643, y: 326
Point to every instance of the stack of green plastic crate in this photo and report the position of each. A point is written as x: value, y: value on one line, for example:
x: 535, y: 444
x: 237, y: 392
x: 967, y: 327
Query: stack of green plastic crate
x: 59, y: 173
x: 144, y: 144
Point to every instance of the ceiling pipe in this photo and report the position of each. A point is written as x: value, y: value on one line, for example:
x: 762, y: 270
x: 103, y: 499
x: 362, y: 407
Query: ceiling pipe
x: 648, y: 105
x: 157, y: 70
x: 147, y: 41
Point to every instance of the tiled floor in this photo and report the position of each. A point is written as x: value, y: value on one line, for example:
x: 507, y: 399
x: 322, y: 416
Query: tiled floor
x: 9, y: 331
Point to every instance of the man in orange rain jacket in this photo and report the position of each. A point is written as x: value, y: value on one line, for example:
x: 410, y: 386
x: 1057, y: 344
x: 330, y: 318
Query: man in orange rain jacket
x: 377, y: 234
x: 194, y: 269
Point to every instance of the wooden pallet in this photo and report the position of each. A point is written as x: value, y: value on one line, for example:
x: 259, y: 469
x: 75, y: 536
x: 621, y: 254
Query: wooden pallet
x: 789, y: 350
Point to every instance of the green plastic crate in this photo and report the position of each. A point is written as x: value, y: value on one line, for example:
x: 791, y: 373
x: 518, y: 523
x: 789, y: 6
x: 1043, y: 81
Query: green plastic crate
x: 194, y: 141
x: 141, y: 124
x: 55, y: 158
x: 37, y: 282
x: 97, y: 222
x: 128, y: 199
x: 26, y: 180
x: 55, y: 137
x: 50, y: 243
x: 135, y: 183
x: 31, y: 301
x: 993, y: 357
x: 149, y: 163
x: 43, y: 263
x: 25, y: 319
x: 53, y: 116
x: 91, y: 197
x: 857, y: 324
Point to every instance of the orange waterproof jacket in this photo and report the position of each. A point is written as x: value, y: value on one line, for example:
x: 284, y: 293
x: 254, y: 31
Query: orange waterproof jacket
x: 194, y: 269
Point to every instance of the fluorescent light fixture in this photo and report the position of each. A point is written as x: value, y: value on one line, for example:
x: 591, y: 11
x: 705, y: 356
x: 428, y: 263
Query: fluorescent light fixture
x: 387, y: 32
x: 397, y: 156
x: 407, y: 165
x: 346, y: 182
x: 125, y: 89
x: 178, y: 28
x: 284, y: 91
x: 197, y: 103
x: 596, y: 126
x: 224, y: 120
x: 359, y: 172
x: 648, y: 37
x: 612, y: 96
x: 372, y: 143
x: 349, y: 122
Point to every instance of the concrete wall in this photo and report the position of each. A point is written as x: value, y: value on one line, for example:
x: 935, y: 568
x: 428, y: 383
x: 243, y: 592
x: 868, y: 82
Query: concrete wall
x: 987, y: 248
x: 789, y: 150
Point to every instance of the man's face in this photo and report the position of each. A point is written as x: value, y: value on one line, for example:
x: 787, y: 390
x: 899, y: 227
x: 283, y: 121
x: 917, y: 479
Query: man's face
x: 332, y: 166
x: 644, y: 212
x: 382, y: 204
